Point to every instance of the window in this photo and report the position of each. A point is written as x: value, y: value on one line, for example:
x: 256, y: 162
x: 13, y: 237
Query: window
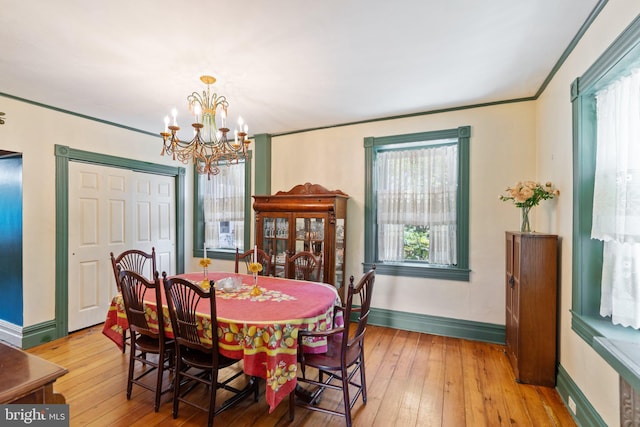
x: 599, y: 332
x: 222, y: 211
x: 417, y: 204
x: 616, y: 198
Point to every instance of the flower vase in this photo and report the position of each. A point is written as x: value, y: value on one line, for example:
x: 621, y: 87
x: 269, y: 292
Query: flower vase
x: 255, y: 291
x: 525, y: 225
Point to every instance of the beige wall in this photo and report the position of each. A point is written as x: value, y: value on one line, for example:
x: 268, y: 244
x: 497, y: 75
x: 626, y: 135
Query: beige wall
x: 33, y: 131
x: 593, y: 376
x: 502, y: 152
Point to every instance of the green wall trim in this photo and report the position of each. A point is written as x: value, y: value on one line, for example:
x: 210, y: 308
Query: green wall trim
x: 598, y: 332
x: 64, y: 155
x: 586, y: 415
x: 457, y: 328
x: 574, y: 42
x: 83, y: 116
x: 39, y: 334
x: 263, y: 164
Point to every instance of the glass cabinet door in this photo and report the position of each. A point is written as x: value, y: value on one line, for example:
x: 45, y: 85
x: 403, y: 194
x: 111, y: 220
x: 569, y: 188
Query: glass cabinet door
x: 339, y: 278
x: 310, y: 238
x: 276, y: 242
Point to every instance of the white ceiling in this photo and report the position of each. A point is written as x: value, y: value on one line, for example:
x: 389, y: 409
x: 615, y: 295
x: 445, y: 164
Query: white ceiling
x: 284, y: 65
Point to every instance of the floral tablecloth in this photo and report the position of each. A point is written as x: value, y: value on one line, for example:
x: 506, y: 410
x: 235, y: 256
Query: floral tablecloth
x: 262, y: 330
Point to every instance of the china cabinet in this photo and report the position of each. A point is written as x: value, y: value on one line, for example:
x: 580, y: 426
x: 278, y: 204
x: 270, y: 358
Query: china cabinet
x: 531, y: 300
x: 306, y: 218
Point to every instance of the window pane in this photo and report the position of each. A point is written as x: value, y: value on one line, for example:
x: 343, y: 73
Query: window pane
x: 223, y: 198
x: 416, y: 193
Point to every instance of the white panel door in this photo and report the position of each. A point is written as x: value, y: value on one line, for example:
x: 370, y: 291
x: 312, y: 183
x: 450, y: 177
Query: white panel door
x: 111, y: 210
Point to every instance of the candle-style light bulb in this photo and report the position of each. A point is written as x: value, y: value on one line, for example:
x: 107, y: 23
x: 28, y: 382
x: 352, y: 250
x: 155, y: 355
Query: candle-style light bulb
x: 197, y: 111
x: 174, y: 113
x: 166, y: 124
x: 240, y: 122
x: 223, y: 117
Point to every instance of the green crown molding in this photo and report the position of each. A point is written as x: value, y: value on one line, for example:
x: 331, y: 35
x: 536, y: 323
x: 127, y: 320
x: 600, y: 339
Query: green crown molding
x: 583, y: 29
x: 83, y: 116
x: 64, y: 155
x: 572, y: 44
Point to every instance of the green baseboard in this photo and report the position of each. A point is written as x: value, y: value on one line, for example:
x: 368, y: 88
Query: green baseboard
x: 585, y: 415
x: 478, y: 331
x: 39, y: 334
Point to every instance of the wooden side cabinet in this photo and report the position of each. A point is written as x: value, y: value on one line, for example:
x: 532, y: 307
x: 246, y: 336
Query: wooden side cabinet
x: 27, y: 379
x: 306, y: 218
x: 531, y: 306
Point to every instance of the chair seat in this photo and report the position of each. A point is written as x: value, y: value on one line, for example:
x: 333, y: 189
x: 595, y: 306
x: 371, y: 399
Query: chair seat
x: 202, y: 360
x: 332, y: 359
x: 148, y: 344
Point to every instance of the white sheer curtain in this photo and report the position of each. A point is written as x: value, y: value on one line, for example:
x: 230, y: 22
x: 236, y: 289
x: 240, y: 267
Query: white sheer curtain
x: 616, y: 200
x: 418, y: 187
x: 223, y: 202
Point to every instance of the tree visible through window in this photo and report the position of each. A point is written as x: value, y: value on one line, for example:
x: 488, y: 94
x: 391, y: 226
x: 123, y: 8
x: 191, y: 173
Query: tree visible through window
x: 416, y: 202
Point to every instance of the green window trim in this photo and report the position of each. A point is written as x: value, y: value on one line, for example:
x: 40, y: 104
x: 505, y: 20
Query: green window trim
x: 459, y: 272
x: 198, y: 217
x: 611, y: 342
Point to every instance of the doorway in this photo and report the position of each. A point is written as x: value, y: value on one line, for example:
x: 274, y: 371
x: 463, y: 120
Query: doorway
x: 65, y: 155
x: 11, y: 303
x: 112, y: 210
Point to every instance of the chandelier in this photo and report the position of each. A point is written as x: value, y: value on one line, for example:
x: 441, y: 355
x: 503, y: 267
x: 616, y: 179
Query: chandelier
x: 210, y: 146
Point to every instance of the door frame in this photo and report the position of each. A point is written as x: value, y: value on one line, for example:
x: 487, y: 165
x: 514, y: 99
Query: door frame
x: 64, y: 155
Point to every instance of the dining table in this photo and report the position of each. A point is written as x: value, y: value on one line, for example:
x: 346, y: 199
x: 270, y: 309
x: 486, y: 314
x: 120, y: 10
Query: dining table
x: 259, y: 327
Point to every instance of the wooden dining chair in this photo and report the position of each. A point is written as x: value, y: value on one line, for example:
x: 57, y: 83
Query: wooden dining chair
x: 247, y: 258
x: 137, y: 261
x: 197, y: 349
x: 145, y: 339
x: 304, y: 265
x: 337, y: 368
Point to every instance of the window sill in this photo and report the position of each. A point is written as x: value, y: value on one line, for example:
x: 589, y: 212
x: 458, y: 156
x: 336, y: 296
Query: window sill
x: 413, y: 270
x: 617, y: 345
x: 229, y: 254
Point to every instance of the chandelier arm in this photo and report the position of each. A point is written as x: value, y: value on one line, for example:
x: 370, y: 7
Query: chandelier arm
x: 210, y: 145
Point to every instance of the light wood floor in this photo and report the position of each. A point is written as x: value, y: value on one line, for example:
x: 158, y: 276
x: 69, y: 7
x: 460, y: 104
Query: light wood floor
x: 413, y: 379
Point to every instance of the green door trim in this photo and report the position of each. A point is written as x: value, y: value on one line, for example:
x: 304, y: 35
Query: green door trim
x: 64, y: 155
